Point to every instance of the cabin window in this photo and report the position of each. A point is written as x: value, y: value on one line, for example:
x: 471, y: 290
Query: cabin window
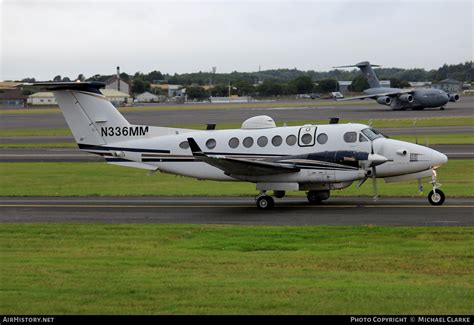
x: 248, y: 142
x: 277, y: 140
x: 233, y: 143
x: 362, y: 138
x: 262, y: 141
x: 211, y: 144
x: 307, y: 138
x: 350, y: 137
x: 184, y: 145
x: 322, y: 138
x: 291, y: 140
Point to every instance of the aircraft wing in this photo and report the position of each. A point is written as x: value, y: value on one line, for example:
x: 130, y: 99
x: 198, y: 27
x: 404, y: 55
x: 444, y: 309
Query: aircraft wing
x: 374, y: 96
x: 241, y: 166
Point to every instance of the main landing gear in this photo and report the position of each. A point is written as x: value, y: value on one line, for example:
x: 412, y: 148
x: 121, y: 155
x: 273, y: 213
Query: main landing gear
x: 436, y: 196
x: 264, y: 201
x: 316, y: 197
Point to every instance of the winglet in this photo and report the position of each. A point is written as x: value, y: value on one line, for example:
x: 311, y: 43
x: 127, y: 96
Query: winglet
x: 195, y: 148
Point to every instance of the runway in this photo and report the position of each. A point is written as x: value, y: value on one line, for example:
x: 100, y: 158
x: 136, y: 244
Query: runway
x: 169, y: 117
x: 76, y: 155
x: 237, y: 211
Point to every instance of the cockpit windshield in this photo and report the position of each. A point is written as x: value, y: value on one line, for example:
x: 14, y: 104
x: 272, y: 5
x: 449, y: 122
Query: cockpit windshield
x: 372, y: 134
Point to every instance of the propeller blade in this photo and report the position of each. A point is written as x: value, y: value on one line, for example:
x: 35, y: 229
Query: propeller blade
x: 374, y: 184
x: 361, y: 182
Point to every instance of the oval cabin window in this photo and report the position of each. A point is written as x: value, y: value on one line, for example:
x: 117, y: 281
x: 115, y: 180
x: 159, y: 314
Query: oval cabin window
x: 248, y: 142
x: 262, y: 141
x: 291, y: 140
x: 277, y: 140
x: 233, y: 143
x: 322, y: 138
x: 211, y: 143
x: 184, y: 145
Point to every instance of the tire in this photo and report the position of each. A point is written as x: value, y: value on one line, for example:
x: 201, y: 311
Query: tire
x: 442, y: 108
x: 265, y: 202
x: 279, y: 194
x: 436, y: 198
x: 313, y: 197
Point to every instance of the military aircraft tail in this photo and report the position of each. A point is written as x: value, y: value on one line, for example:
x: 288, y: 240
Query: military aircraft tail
x: 366, y: 69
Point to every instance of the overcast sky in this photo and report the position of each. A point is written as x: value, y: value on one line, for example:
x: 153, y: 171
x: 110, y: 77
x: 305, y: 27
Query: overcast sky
x: 42, y: 39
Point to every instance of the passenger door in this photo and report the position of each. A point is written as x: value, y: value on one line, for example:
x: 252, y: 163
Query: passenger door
x: 306, y: 136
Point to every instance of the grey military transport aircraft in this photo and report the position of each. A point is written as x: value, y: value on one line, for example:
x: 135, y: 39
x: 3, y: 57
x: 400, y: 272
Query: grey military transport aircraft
x: 400, y: 99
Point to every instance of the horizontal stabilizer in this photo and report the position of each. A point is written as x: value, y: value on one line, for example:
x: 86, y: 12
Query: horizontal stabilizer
x: 358, y: 65
x: 90, y: 86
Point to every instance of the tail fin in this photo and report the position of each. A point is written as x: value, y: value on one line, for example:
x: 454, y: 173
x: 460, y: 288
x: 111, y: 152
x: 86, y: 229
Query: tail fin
x: 91, y: 117
x: 366, y: 69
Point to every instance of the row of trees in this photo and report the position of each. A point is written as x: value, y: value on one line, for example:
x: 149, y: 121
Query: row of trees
x: 280, y: 81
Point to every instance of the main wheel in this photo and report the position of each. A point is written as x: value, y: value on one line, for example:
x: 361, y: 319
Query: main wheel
x: 442, y: 108
x: 314, y: 197
x: 436, y: 198
x: 265, y: 202
x: 279, y: 194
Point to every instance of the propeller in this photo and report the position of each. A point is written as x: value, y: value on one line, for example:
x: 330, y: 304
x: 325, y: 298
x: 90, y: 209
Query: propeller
x: 374, y: 174
x: 374, y: 160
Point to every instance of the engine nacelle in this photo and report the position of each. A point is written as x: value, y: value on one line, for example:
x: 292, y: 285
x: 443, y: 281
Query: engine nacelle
x: 407, y: 98
x: 384, y: 100
x: 453, y: 97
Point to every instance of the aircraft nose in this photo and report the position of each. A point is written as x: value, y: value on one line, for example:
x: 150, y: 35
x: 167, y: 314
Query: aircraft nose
x: 438, y: 158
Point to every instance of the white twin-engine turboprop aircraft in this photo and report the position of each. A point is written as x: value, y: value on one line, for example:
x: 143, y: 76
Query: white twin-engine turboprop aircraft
x: 312, y: 158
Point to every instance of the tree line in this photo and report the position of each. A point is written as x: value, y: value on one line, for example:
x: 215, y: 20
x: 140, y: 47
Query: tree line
x: 278, y: 82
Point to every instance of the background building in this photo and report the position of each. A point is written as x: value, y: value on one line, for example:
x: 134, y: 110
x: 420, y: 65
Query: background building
x: 147, y: 97
x: 449, y: 85
x: 42, y: 98
x: 115, y: 82
x: 117, y: 98
x: 344, y: 86
x: 11, y: 96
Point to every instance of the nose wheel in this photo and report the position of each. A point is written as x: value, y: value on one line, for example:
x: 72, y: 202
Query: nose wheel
x: 436, y: 196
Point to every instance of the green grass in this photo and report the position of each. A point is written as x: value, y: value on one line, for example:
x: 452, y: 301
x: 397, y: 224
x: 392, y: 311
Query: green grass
x: 184, y: 269
x: 39, y: 145
x: 85, y: 179
x: 56, y: 110
x: 437, y: 138
x: 34, y: 132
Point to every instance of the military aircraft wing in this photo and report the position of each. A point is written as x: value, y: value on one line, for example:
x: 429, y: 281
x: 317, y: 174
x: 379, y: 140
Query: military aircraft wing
x: 241, y: 166
x: 374, y: 96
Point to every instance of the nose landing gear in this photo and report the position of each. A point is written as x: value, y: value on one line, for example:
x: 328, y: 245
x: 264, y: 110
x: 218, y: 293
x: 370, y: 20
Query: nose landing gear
x: 436, y: 196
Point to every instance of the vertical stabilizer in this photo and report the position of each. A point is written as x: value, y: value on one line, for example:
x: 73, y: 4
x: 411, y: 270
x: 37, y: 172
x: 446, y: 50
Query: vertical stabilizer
x: 369, y: 73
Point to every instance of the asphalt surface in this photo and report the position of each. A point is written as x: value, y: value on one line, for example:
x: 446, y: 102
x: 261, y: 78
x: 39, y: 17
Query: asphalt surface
x: 464, y: 107
x: 76, y: 155
x: 238, y: 211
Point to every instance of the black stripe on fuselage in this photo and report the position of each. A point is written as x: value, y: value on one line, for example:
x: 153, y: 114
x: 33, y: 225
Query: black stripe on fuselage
x: 94, y: 147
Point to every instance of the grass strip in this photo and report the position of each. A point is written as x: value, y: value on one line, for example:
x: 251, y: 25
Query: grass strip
x: 212, y: 269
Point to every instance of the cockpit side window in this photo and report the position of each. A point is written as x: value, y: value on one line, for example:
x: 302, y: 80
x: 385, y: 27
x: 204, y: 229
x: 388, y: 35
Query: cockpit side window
x: 350, y: 137
x: 362, y: 138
